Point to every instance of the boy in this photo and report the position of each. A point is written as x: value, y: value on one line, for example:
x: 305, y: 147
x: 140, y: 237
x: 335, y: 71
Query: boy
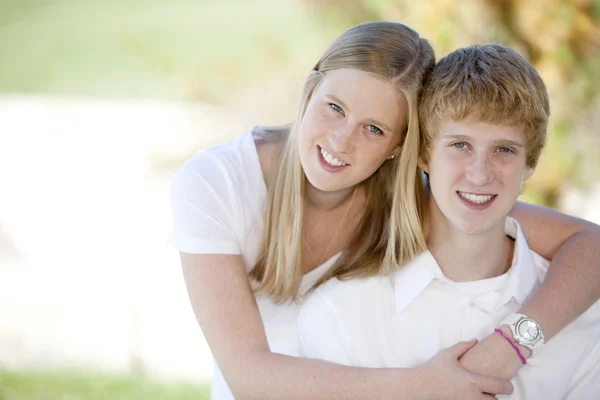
x: 483, y: 115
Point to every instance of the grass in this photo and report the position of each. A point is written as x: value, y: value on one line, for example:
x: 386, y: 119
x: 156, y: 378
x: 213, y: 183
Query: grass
x: 70, y: 385
x: 182, y: 49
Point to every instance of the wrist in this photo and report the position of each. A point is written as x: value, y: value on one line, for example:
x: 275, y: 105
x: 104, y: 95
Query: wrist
x: 525, y: 352
x: 414, y: 383
x: 525, y: 331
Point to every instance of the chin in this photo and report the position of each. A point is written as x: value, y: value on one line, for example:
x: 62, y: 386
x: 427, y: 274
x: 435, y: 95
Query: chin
x: 324, y: 185
x: 327, y: 182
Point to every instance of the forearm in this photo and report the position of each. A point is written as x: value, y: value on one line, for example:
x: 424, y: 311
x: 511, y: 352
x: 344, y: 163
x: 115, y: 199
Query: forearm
x: 571, y: 286
x: 269, y: 375
x: 572, y: 283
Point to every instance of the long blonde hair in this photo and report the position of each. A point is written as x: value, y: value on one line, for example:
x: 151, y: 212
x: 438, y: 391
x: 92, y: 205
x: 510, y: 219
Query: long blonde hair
x: 395, y: 52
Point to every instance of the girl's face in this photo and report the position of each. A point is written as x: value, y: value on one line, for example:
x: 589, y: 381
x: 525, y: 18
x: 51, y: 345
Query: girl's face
x: 353, y: 123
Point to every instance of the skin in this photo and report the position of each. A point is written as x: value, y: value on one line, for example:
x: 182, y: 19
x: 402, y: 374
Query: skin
x: 226, y: 309
x: 360, y: 131
x: 571, y: 286
x: 468, y: 159
x: 475, y: 161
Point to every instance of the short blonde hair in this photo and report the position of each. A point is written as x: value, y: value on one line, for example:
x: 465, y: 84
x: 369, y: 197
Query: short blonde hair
x: 486, y: 83
x: 394, y: 52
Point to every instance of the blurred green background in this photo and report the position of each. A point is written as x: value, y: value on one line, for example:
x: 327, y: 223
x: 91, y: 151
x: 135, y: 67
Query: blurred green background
x: 234, y: 53
x: 248, y: 59
x: 76, y: 385
x: 252, y: 56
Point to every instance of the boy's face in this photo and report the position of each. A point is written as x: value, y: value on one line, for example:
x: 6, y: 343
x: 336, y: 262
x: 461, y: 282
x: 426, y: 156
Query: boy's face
x: 476, y: 171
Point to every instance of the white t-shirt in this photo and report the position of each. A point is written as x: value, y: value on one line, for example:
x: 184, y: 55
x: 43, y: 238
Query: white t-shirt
x: 217, y: 200
x: 404, y: 319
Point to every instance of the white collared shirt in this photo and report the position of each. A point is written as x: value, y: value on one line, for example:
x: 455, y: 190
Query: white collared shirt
x: 404, y: 319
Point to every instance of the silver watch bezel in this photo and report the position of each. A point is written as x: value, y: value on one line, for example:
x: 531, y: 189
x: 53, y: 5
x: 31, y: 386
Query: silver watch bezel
x: 520, y: 339
x: 513, y: 321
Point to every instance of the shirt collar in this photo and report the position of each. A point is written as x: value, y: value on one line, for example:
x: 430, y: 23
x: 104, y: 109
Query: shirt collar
x: 522, y: 275
x: 521, y: 278
x: 413, y: 278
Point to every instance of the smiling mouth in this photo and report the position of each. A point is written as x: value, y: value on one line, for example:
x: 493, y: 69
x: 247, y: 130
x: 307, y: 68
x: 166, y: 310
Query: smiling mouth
x: 330, y: 159
x: 476, y: 198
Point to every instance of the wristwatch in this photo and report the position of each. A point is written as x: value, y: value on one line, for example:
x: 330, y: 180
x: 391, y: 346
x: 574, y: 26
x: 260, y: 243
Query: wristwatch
x: 526, y: 331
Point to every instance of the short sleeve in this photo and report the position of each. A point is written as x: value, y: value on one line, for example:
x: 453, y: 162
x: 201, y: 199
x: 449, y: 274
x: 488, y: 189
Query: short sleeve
x: 321, y: 333
x: 203, y: 207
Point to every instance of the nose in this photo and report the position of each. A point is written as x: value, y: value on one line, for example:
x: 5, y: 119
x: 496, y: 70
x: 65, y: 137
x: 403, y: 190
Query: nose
x: 342, y: 140
x: 480, y: 171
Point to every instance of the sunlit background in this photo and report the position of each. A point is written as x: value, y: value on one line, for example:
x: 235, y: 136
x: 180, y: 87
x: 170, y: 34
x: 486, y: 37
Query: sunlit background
x: 101, y: 101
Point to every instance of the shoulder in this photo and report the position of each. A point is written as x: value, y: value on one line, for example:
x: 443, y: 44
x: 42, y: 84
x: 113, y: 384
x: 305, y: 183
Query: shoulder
x: 269, y: 144
x: 225, y: 167
x: 223, y: 158
x: 221, y: 186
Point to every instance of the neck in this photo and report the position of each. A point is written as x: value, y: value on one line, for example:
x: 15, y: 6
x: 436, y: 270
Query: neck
x: 467, y: 257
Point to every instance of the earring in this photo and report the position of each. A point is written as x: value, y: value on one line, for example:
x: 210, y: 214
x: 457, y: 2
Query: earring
x: 391, y: 157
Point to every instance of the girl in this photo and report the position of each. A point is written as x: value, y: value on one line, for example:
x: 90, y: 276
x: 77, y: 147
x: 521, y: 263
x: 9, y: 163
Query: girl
x: 261, y: 220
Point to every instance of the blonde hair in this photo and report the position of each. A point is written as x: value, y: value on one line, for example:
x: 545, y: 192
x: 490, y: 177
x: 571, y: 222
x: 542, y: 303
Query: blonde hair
x: 392, y: 51
x: 486, y: 83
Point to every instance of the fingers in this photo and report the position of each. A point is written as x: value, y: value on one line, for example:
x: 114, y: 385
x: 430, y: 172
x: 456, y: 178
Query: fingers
x: 494, y: 385
x: 461, y: 348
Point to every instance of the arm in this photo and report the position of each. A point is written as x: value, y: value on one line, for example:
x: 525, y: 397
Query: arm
x: 226, y: 310
x: 571, y: 286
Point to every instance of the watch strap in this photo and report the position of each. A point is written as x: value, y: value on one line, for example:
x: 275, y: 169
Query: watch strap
x: 512, y: 319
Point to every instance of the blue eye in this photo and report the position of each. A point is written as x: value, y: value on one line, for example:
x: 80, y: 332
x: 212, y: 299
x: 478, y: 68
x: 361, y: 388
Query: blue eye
x: 374, y: 129
x: 336, y: 108
x: 504, y: 150
x: 459, y: 145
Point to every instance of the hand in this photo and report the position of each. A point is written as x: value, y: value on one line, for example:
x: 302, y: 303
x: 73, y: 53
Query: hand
x: 493, y: 357
x: 445, y: 378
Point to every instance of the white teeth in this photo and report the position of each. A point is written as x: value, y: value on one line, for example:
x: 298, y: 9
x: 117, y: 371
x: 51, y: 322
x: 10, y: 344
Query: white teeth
x: 476, y: 198
x: 331, y: 160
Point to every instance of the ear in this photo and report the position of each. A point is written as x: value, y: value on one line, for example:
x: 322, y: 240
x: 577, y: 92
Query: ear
x: 423, y: 165
x: 528, y: 173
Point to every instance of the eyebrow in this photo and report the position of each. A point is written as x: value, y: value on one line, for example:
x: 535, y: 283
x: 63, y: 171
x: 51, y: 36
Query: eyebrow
x: 499, y: 142
x: 508, y: 142
x: 369, y: 120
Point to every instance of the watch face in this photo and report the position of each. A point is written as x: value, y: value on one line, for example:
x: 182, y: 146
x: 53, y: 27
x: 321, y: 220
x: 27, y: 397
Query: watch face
x: 528, y: 330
